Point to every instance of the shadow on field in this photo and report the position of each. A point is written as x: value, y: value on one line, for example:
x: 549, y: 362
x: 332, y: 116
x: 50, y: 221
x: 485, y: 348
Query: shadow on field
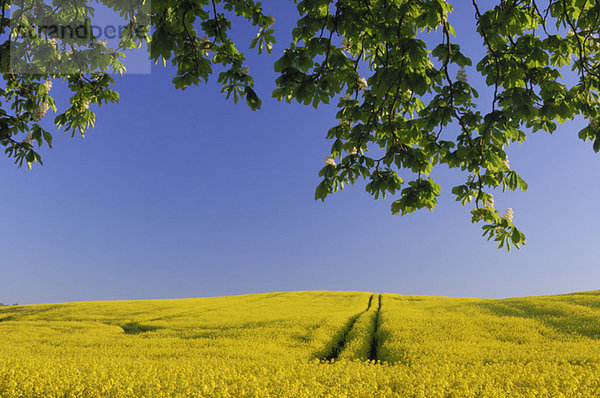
x: 559, y: 316
x: 136, y: 328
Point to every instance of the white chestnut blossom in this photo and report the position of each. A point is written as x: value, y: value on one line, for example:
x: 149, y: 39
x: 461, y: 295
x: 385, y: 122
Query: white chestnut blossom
x: 329, y: 161
x: 204, y: 43
x: 362, y: 84
x: 245, y: 70
x: 506, y: 163
x: 84, y: 107
x: 346, y: 45
x: 509, y: 214
x: 352, y: 151
x: 48, y: 85
x: 271, y: 19
x: 40, y: 111
x: 461, y: 76
x: 489, y: 204
x: 29, y: 139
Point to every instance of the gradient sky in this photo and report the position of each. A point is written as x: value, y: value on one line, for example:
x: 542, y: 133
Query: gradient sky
x: 183, y: 194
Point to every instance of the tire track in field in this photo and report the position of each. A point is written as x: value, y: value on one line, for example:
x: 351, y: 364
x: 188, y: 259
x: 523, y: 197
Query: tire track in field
x: 375, y: 336
x: 341, y: 338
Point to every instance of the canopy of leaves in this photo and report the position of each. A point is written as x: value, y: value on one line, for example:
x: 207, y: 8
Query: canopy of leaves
x: 403, y: 108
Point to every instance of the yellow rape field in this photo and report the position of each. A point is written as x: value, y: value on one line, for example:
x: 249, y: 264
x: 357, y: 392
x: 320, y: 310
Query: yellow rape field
x: 304, y: 344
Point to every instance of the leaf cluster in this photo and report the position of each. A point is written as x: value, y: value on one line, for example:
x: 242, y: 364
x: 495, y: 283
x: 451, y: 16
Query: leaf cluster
x: 396, y: 70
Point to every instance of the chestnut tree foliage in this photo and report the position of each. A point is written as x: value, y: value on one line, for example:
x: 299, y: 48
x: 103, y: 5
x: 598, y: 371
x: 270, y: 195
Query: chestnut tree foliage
x: 394, y: 68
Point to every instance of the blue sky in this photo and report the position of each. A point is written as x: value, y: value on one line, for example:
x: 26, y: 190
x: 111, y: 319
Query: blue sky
x: 183, y: 194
